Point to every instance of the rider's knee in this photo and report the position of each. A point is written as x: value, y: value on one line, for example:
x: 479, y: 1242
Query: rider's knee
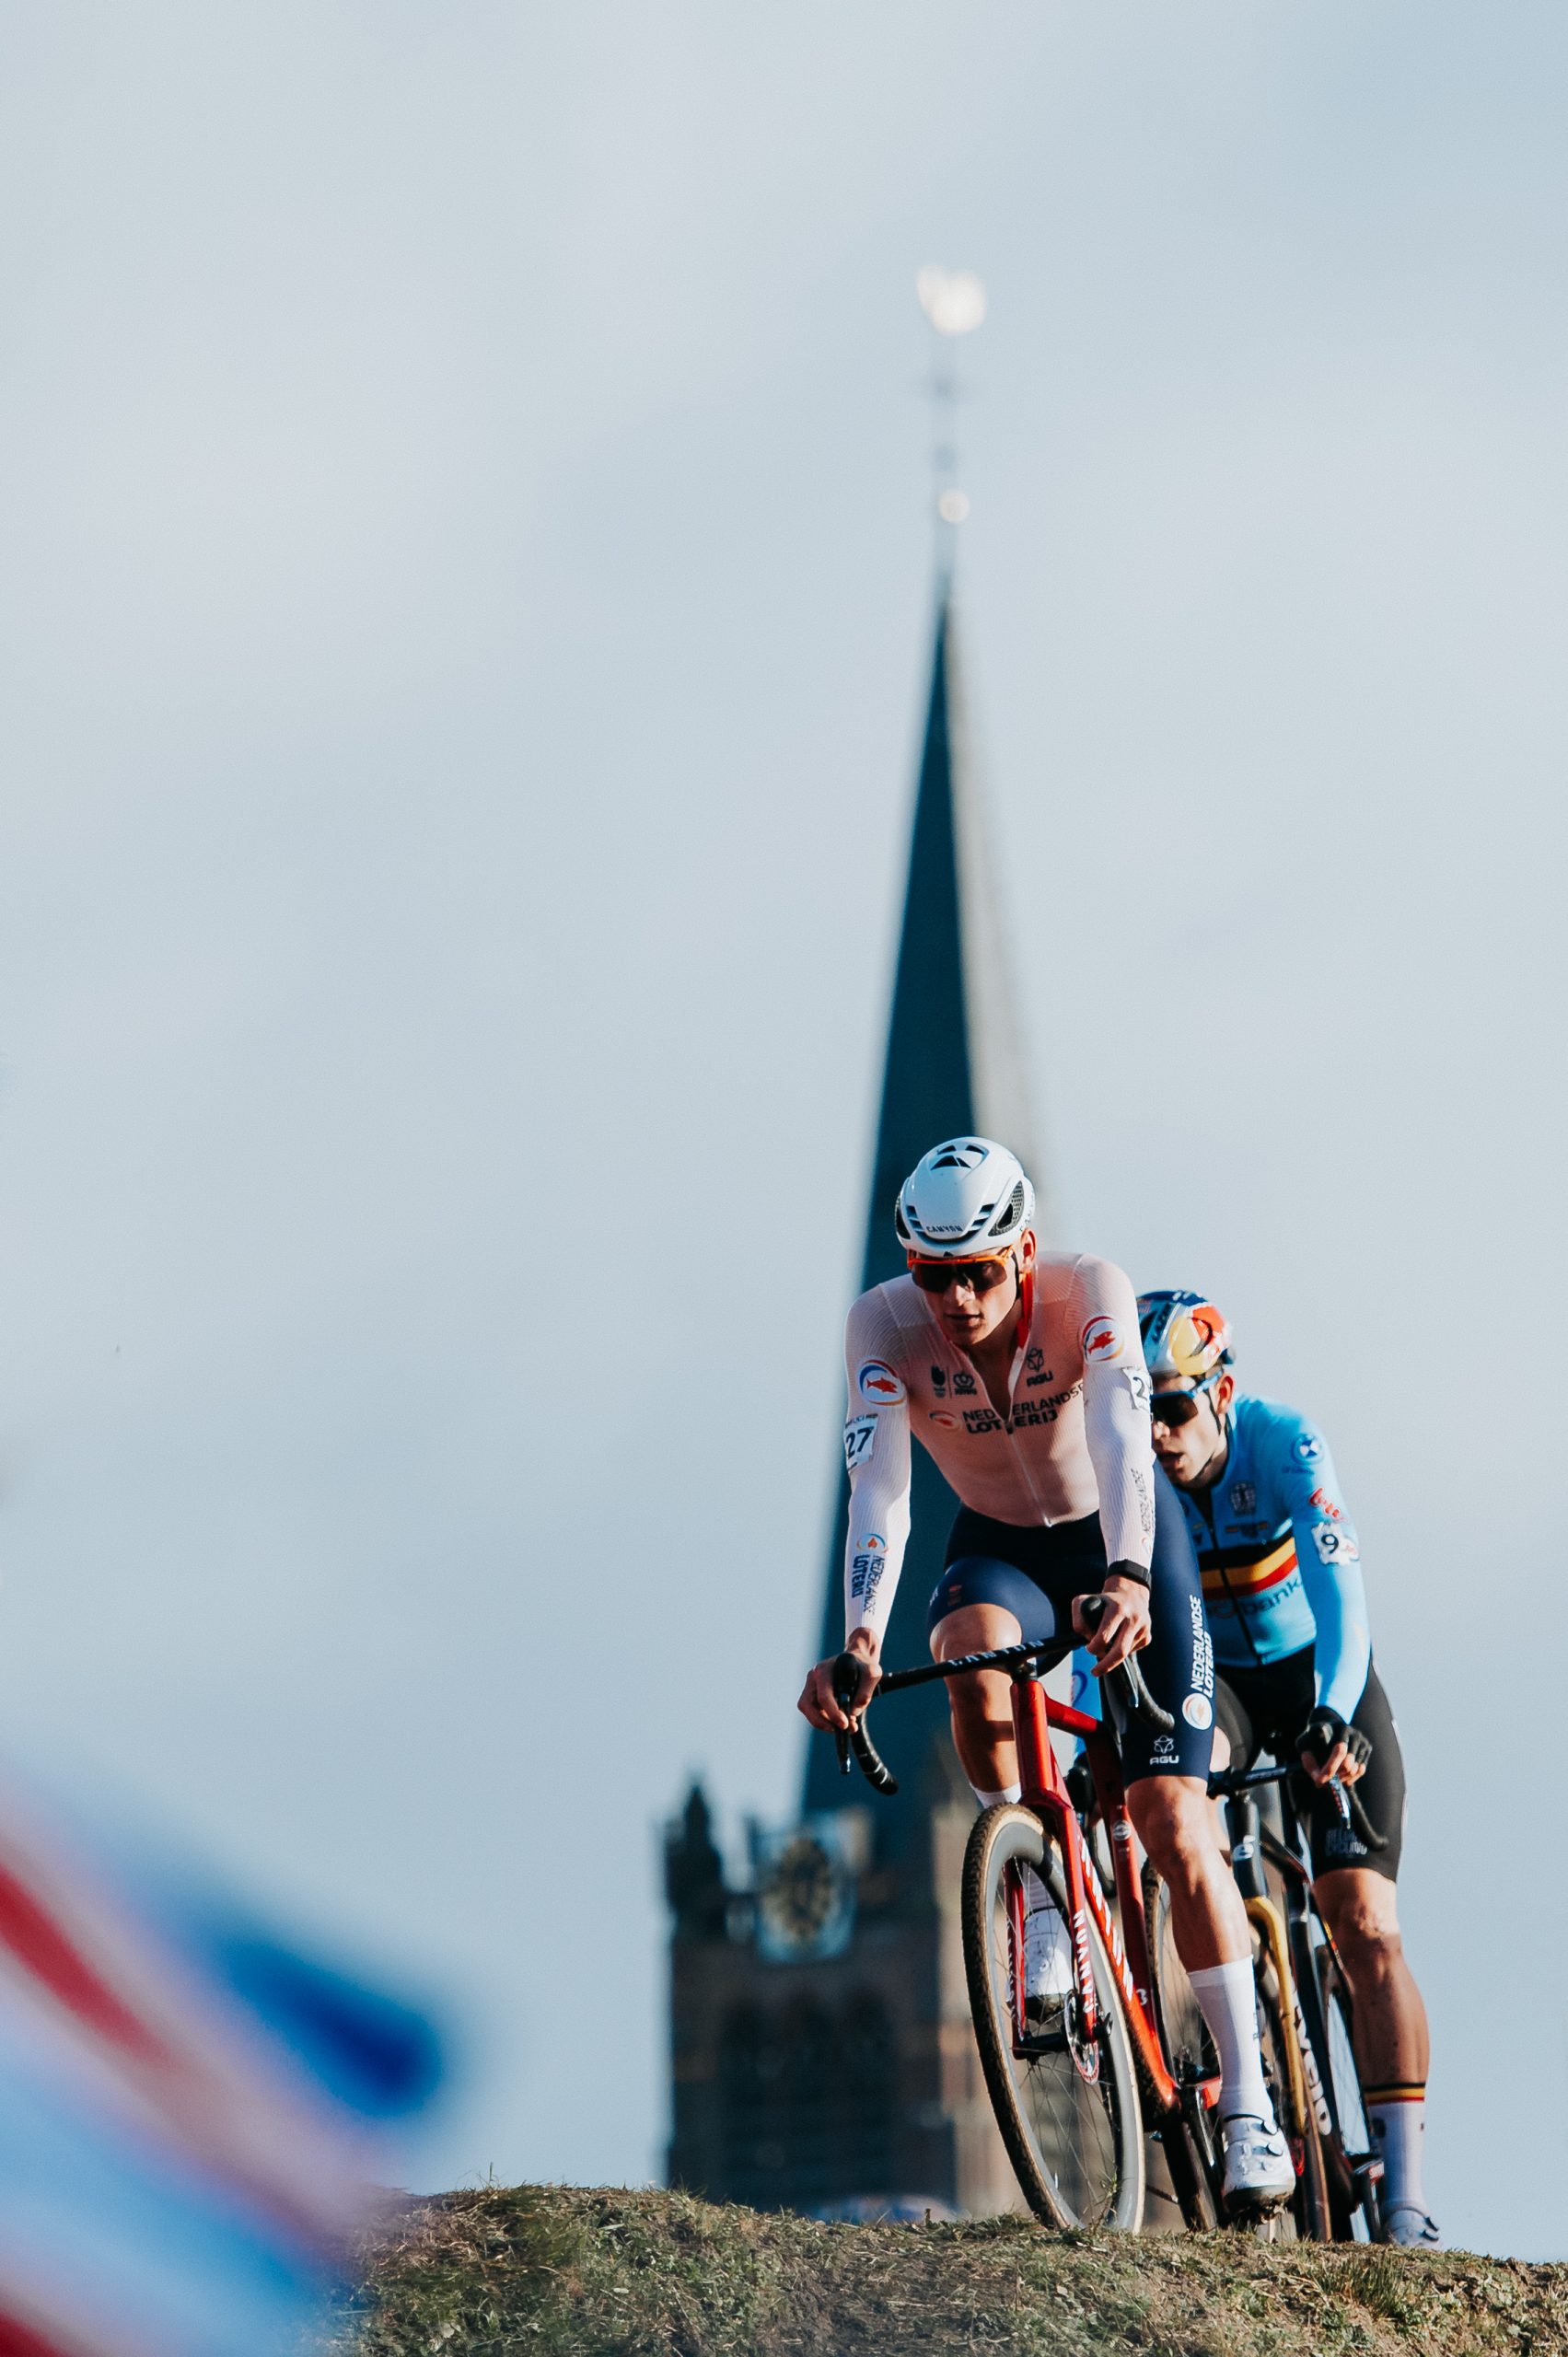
x: 1363, y: 1918
x: 1363, y: 1934
x: 972, y: 1629
x: 969, y: 1697
x: 1172, y: 1820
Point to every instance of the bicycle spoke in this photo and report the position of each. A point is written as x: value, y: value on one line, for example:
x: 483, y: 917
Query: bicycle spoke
x: 1071, y: 2121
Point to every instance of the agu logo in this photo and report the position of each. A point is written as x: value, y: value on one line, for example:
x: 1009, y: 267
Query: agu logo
x: 878, y: 1383
x: 1102, y: 1342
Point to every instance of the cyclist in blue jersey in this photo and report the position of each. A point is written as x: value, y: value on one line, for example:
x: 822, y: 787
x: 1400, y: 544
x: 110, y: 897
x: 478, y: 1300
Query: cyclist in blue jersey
x: 1281, y: 1567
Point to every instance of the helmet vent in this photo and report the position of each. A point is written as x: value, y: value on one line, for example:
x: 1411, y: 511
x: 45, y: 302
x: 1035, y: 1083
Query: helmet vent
x: 1012, y: 1212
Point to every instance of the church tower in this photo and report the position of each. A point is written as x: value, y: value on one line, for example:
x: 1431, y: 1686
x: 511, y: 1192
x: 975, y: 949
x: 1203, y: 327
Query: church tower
x: 823, y: 2056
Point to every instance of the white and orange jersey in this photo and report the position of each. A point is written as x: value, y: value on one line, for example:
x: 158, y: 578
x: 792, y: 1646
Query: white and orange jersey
x: 1075, y: 1439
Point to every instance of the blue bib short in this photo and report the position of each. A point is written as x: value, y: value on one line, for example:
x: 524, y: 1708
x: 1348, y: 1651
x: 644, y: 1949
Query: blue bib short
x: 1035, y: 1572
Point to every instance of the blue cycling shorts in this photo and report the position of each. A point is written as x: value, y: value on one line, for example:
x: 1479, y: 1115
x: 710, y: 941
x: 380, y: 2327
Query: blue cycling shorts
x: 1035, y: 1572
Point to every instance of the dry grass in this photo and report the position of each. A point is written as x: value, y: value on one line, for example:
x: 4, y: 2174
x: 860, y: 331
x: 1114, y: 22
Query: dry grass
x: 566, y: 2273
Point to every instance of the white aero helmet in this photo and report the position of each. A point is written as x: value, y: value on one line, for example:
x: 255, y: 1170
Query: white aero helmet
x: 966, y: 1199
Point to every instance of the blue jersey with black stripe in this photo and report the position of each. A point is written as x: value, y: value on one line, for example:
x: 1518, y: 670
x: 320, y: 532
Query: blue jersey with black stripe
x: 1279, y: 1555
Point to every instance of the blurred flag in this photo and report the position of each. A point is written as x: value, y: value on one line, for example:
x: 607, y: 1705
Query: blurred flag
x: 192, y: 2117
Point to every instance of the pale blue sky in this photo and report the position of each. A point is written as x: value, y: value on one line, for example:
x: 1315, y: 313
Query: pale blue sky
x: 464, y: 604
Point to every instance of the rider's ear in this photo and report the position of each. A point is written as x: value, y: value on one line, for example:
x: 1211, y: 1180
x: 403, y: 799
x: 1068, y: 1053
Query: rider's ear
x: 1027, y: 1247
x: 1225, y: 1392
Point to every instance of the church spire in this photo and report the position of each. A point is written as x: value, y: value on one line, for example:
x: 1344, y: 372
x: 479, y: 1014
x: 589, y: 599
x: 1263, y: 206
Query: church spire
x: 953, y: 1065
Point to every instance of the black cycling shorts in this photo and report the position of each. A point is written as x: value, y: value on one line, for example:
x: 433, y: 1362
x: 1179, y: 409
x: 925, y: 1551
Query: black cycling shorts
x: 1265, y: 1709
x: 1035, y: 1572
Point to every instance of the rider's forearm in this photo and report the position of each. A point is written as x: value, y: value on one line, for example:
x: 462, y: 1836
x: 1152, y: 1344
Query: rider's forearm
x: 874, y: 1555
x: 1330, y: 1560
x: 1342, y: 1645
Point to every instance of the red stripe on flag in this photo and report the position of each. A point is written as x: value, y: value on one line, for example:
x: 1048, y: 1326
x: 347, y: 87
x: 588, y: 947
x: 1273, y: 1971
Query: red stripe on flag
x: 42, y: 1948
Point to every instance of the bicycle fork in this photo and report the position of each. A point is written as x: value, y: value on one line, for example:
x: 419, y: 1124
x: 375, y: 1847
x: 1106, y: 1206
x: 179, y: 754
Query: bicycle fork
x: 1127, y: 1945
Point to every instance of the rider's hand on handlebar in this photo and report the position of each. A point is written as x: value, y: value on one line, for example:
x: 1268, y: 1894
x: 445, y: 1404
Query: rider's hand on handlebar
x: 817, y: 1702
x: 1329, y: 1749
x: 1124, y: 1629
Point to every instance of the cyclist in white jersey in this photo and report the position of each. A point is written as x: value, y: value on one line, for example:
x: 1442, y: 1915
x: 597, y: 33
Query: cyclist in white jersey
x: 1021, y: 1372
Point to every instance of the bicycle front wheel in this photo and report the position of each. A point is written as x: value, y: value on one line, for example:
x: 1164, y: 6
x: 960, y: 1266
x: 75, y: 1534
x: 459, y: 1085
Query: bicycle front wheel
x: 1068, y: 2105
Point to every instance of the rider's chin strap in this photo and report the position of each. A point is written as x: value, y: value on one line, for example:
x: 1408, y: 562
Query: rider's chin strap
x: 1222, y: 1427
x: 1026, y: 1304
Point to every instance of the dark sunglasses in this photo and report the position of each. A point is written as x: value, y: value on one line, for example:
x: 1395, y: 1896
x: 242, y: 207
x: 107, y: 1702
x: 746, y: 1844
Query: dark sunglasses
x: 980, y: 1276
x: 1174, y: 1408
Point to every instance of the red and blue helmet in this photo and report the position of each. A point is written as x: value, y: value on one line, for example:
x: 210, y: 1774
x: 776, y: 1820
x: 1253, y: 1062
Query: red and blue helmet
x: 1183, y: 1334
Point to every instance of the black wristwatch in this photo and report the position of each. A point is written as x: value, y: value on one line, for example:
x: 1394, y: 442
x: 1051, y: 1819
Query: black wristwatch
x: 1138, y: 1572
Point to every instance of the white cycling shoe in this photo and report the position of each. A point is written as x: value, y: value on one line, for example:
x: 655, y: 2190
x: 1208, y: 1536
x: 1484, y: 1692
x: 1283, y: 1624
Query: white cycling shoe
x: 1413, y: 2228
x: 1049, y: 1978
x: 1259, y: 2175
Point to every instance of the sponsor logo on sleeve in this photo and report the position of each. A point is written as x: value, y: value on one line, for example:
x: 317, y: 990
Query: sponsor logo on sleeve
x: 1034, y: 1358
x: 944, y: 1416
x: 1326, y: 1505
x: 1308, y: 1449
x: 866, y: 1576
x: 1197, y: 1711
x: 860, y: 1439
x: 878, y: 1383
x: 939, y: 1381
x: 1244, y: 1498
x: 1334, y: 1546
x: 1102, y: 1342
x: 964, y: 1381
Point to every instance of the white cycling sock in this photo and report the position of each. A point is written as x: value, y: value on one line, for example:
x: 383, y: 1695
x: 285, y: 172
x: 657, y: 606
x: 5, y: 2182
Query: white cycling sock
x: 1396, y: 2117
x: 1035, y: 1892
x: 1229, y: 1999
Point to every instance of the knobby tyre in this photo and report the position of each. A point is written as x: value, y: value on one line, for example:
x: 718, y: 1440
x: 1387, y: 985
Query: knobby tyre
x: 1077, y: 2145
x: 1354, y: 2203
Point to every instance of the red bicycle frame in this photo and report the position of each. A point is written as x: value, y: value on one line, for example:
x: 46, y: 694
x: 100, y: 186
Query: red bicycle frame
x: 1035, y: 1712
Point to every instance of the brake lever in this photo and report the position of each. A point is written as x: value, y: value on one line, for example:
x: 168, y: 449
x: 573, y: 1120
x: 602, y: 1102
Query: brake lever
x: 1132, y: 1691
x: 1354, y: 1813
x: 872, y: 1766
x: 1143, y: 1702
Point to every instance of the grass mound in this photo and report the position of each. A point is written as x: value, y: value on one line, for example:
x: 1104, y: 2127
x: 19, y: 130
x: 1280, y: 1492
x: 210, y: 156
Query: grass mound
x: 560, y: 2272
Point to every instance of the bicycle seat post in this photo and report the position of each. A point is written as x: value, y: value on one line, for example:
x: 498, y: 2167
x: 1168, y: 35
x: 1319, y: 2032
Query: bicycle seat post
x: 1245, y: 1847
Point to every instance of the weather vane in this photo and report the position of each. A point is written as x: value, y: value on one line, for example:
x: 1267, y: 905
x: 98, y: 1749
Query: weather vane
x: 954, y: 302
